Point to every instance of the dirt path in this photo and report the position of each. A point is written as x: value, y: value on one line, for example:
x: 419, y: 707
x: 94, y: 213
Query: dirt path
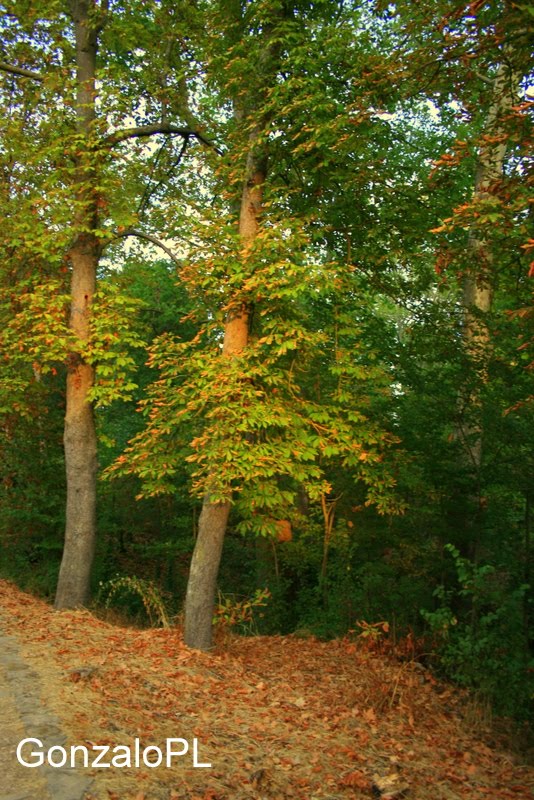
x: 23, y: 714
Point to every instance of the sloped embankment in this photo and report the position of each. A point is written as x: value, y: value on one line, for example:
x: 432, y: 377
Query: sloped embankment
x: 276, y: 717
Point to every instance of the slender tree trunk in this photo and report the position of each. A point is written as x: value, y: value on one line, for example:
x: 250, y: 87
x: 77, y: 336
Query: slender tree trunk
x: 79, y: 434
x: 200, y: 596
x: 478, y: 283
x: 478, y: 299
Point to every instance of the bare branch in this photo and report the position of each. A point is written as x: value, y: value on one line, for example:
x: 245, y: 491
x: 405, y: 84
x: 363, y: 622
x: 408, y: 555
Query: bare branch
x: 20, y: 71
x: 149, y: 238
x: 489, y: 81
x: 164, y: 128
x: 147, y: 194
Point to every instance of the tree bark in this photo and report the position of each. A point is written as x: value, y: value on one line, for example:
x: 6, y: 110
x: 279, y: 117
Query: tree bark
x: 200, y: 597
x: 478, y: 283
x: 80, y: 435
x: 202, y: 583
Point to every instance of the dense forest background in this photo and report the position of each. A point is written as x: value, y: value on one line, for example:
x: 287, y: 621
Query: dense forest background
x: 265, y: 276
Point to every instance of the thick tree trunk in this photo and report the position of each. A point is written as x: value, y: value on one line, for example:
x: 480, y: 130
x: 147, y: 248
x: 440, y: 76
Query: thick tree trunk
x: 200, y: 596
x: 79, y: 434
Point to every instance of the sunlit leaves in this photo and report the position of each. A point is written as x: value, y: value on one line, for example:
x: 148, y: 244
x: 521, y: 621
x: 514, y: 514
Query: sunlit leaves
x: 254, y: 428
x: 38, y: 335
x: 114, y: 335
x: 38, y: 332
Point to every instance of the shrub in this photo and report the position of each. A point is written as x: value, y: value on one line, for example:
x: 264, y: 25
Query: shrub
x: 481, y: 638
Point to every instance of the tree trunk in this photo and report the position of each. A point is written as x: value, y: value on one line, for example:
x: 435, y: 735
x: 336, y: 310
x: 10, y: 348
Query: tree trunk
x: 80, y: 445
x: 200, y: 596
x: 79, y: 435
x: 478, y: 283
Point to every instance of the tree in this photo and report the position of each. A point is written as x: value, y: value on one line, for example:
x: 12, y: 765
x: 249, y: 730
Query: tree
x: 250, y: 115
x: 264, y: 432
x: 84, y: 184
x: 490, y: 72
x: 83, y: 257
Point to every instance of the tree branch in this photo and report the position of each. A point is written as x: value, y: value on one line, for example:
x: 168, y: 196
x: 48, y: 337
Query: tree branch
x: 158, y: 127
x: 21, y: 72
x: 147, y: 194
x: 152, y: 239
x: 480, y: 76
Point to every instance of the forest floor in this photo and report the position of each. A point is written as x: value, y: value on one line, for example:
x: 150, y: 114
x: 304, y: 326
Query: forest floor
x: 276, y: 717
